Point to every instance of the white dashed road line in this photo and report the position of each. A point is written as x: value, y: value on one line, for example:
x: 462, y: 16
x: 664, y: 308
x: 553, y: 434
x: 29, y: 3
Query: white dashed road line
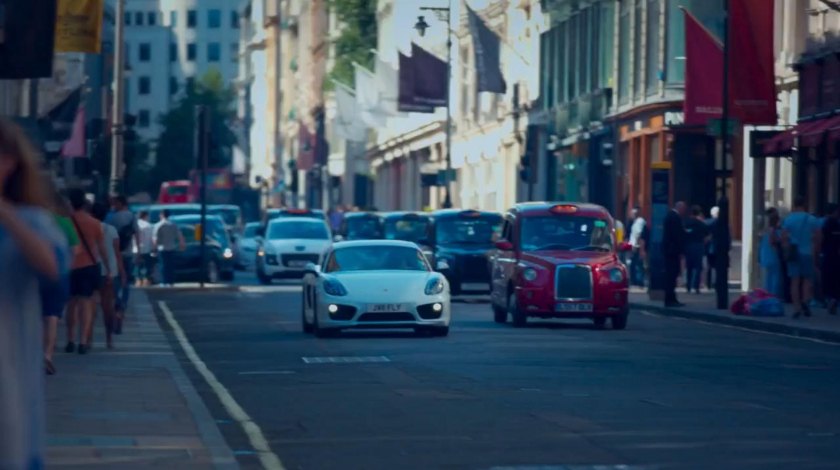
x: 268, y: 459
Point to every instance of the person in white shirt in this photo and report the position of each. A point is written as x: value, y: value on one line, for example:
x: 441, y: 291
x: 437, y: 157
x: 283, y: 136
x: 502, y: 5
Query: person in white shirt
x: 637, y: 229
x: 111, y: 285
x: 144, y: 248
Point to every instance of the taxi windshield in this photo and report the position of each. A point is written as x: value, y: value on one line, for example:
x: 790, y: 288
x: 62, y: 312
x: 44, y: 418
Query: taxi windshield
x: 363, y: 228
x: 573, y: 233
x: 377, y: 258
x: 473, y: 231
x: 412, y: 230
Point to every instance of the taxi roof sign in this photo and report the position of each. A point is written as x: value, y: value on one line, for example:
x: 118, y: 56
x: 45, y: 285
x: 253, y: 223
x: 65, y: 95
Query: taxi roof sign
x: 470, y: 213
x: 564, y: 209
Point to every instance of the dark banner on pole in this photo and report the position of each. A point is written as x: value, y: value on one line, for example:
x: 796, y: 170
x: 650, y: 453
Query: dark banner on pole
x: 430, y: 77
x: 28, y: 39
x: 752, y: 73
x: 487, y: 46
x: 704, y: 59
x: 406, y: 102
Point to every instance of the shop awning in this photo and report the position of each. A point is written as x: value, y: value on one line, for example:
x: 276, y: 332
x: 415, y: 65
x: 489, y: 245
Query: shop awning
x: 816, y: 132
x: 781, y: 144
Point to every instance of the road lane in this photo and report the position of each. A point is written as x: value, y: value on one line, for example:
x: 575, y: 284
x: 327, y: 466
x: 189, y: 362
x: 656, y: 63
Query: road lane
x: 668, y: 393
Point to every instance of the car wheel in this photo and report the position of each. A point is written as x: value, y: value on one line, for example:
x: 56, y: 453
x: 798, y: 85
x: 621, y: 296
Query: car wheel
x: 212, y: 272
x: 316, y: 328
x: 599, y: 322
x: 440, y: 331
x: 307, y: 327
x: 619, y: 322
x: 520, y: 319
x: 264, y: 280
x: 228, y: 276
x: 500, y: 315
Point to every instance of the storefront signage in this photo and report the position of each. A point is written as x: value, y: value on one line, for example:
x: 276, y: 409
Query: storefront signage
x: 758, y: 139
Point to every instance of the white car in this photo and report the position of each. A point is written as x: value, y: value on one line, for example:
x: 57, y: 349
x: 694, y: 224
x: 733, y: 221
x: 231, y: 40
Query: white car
x: 289, y: 245
x: 375, y: 284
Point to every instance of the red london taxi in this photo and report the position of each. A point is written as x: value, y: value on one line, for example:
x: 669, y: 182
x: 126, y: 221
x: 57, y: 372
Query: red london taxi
x: 558, y: 260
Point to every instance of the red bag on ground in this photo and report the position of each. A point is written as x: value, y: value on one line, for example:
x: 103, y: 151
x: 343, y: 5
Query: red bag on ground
x: 742, y: 305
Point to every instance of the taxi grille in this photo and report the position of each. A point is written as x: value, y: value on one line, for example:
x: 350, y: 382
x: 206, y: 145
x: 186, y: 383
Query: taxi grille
x: 475, y: 269
x: 573, y: 282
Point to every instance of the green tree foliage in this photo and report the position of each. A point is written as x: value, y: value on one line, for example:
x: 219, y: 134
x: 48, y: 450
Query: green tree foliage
x: 175, y: 150
x: 357, y: 20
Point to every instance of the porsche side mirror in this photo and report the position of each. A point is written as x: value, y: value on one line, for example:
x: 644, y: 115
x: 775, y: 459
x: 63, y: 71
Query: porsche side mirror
x: 504, y: 245
x: 442, y: 265
x: 312, y: 268
x: 338, y: 238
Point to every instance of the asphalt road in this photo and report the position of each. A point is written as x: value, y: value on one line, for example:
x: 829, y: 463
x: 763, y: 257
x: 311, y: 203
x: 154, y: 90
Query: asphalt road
x: 666, y: 393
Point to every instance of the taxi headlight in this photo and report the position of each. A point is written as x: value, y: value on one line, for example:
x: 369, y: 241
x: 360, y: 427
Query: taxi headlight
x: 529, y: 274
x: 616, y: 275
x: 228, y: 253
x: 434, y: 286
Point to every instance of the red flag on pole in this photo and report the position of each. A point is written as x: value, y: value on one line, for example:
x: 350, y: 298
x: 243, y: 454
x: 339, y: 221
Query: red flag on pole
x: 752, y: 65
x: 75, y: 146
x: 703, y: 73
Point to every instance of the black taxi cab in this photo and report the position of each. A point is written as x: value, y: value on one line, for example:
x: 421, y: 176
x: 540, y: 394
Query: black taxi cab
x: 360, y: 226
x: 462, y: 240
x: 409, y: 226
x: 559, y: 260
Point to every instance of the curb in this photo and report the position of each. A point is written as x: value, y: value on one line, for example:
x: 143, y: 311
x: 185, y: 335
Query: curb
x: 742, y: 322
x: 221, y: 454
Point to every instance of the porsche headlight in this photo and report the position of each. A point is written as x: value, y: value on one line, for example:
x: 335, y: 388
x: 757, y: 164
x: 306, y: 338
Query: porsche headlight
x: 335, y: 288
x: 434, y: 286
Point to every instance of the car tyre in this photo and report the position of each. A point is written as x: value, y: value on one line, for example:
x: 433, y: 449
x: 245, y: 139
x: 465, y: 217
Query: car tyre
x: 320, y: 332
x: 307, y: 327
x: 599, y: 322
x: 520, y: 319
x: 500, y: 315
x: 619, y: 322
x: 261, y: 276
x: 228, y: 276
x: 441, y: 331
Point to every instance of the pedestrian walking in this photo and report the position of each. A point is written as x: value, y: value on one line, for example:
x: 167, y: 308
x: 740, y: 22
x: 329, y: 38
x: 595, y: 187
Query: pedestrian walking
x: 114, y: 275
x: 637, y: 225
x: 673, y: 247
x: 798, y: 236
x: 697, y: 235
x: 31, y: 246
x: 769, y: 254
x: 830, y: 249
x: 168, y: 239
x: 86, y: 276
x: 128, y: 230
x: 143, y: 249
x: 54, y: 295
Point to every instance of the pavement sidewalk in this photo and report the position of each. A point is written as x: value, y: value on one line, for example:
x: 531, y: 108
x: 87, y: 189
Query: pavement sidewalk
x: 132, y: 407
x: 703, y: 306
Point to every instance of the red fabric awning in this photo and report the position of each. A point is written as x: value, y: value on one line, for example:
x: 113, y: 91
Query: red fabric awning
x: 833, y: 131
x: 813, y: 134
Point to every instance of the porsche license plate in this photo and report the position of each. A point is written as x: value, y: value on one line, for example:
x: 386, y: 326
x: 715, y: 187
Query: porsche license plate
x: 383, y: 308
x: 574, y: 307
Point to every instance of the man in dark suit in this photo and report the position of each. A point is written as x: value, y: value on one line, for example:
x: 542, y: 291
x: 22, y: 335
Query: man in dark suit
x: 673, y: 244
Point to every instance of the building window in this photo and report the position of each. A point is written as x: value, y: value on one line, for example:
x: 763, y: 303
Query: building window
x: 606, y: 52
x: 144, y: 86
x: 573, y: 48
x: 561, y: 62
x: 192, y: 18
x: 173, y: 85
x: 143, y: 118
x: 214, y: 19
x: 145, y: 52
x: 234, y: 19
x: 624, y: 51
x: 652, y: 47
x: 138, y: 18
x: 191, y: 51
x: 127, y: 18
x: 638, y: 47
x: 234, y: 52
x: 173, y: 52
x: 214, y: 52
x: 173, y: 18
x: 151, y: 18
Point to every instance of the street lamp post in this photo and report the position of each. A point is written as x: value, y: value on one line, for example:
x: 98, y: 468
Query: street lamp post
x: 443, y: 14
x: 117, y: 118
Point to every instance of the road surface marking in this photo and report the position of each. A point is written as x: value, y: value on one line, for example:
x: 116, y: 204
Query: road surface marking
x: 733, y: 327
x: 268, y: 459
x: 345, y: 359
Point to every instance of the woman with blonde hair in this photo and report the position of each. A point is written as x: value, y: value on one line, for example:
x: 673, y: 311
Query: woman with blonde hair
x: 30, y: 247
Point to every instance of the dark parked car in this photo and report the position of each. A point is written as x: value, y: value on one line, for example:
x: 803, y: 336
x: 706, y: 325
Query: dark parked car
x: 217, y: 238
x: 361, y: 226
x: 412, y: 227
x: 461, y: 240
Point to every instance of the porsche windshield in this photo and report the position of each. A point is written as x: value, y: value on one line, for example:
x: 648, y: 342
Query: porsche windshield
x: 298, y: 229
x: 472, y: 231
x: 377, y: 258
x: 553, y: 233
x: 412, y: 230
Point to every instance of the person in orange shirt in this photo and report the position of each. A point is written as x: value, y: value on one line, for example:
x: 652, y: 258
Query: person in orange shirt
x: 86, y: 274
